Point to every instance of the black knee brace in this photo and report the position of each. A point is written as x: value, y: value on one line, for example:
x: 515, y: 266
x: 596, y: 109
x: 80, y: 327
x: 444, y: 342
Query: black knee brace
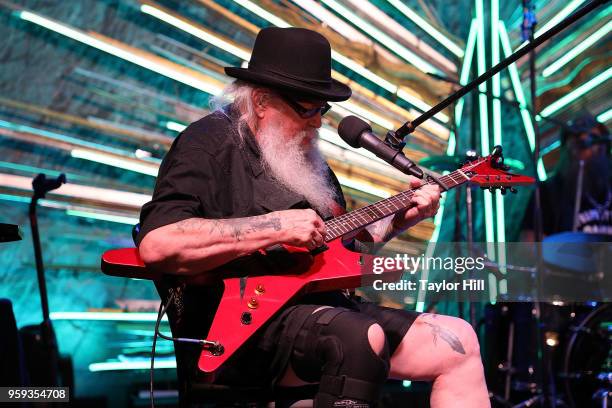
x: 333, y: 348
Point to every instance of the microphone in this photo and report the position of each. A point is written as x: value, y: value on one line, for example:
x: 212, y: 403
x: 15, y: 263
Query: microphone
x: 41, y: 185
x: 358, y: 133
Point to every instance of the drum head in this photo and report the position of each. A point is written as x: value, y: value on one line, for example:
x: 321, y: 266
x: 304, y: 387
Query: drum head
x: 586, y: 356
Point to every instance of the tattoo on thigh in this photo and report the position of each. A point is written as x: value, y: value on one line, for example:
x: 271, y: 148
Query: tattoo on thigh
x: 446, y: 335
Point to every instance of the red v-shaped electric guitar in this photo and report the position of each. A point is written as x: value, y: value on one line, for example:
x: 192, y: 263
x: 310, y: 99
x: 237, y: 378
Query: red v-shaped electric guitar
x: 248, y: 303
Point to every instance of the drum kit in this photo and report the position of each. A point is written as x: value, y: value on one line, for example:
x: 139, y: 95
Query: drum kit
x: 541, y: 349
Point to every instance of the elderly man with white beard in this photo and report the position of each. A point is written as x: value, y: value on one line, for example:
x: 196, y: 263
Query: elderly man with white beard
x: 249, y: 176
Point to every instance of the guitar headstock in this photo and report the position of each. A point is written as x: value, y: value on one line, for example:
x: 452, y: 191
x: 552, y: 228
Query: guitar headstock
x: 491, y: 173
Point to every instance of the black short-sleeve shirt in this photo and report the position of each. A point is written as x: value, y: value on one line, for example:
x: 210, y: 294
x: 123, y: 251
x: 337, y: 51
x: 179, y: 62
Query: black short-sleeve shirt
x: 210, y: 173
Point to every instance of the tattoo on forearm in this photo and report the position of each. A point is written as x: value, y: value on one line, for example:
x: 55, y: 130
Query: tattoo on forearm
x: 446, y: 335
x: 235, y: 228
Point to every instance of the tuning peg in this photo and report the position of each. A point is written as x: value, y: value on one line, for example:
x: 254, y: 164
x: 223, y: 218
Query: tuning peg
x: 513, y: 190
x: 503, y: 190
x: 492, y: 189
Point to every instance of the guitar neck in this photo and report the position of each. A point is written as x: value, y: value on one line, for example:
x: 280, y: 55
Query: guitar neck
x: 367, y: 215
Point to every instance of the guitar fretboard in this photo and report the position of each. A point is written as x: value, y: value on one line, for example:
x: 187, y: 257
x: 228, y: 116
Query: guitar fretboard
x: 367, y: 215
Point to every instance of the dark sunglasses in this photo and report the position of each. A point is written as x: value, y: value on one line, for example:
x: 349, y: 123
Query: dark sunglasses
x: 302, y: 111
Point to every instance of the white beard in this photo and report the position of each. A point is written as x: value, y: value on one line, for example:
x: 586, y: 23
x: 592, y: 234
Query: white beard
x: 298, y: 168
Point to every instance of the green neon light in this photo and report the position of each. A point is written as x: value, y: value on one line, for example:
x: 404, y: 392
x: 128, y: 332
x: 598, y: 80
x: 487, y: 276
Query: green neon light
x: 160, y: 363
x: 120, y: 219
x: 450, y: 149
x: 469, y: 53
x: 14, y: 198
x: 60, y: 138
x: 105, y: 155
x: 576, y: 93
x: 604, y: 117
x: 484, y: 135
x: 382, y: 38
x: 520, y: 97
x: 452, y: 144
x: 428, y: 28
x: 36, y: 170
x: 465, y: 74
x: 497, y: 130
x: 106, y: 316
x: 567, y: 10
x: 578, y: 49
x: 554, y: 145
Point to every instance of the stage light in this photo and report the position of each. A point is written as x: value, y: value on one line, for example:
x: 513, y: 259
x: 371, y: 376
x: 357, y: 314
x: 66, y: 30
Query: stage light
x: 552, y: 339
x: 363, y: 187
x: 364, y: 113
x: 428, y: 28
x: 383, y: 38
x: 420, y: 104
x: 191, y: 29
x: 160, y: 363
x: 566, y: 11
x: 366, y: 73
x: 255, y: 9
x: 80, y: 36
x: 605, y: 116
x: 392, y: 26
x: 572, y: 52
x: 463, y: 79
x: 91, y: 151
x: 195, y: 31
x: 83, y: 192
x: 94, y: 215
x: 332, y: 136
x: 576, y: 93
x: 333, y: 22
x: 175, y: 126
x: 520, y: 97
x: 150, y: 169
x: 107, y: 316
x: 554, y: 145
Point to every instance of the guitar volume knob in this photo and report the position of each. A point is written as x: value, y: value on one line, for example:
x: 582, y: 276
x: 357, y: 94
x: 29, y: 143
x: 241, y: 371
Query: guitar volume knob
x: 252, y: 303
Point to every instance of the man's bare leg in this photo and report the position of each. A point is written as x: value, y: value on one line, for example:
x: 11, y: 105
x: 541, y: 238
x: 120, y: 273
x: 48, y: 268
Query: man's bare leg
x: 443, y: 349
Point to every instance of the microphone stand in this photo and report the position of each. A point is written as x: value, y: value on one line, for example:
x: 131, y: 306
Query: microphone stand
x: 410, y: 126
x: 41, y: 187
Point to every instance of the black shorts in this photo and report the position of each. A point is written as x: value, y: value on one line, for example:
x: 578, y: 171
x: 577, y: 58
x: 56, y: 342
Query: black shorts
x: 273, y: 347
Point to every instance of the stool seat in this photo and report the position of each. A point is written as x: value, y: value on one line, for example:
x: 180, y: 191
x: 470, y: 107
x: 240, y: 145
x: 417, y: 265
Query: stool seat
x: 126, y: 263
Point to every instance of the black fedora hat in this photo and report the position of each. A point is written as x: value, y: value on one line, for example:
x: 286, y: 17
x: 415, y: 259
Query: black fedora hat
x: 294, y: 60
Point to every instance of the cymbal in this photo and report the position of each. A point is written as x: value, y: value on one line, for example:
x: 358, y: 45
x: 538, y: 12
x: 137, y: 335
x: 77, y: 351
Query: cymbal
x: 451, y: 163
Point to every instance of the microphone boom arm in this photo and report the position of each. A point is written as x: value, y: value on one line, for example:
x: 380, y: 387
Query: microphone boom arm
x: 410, y: 126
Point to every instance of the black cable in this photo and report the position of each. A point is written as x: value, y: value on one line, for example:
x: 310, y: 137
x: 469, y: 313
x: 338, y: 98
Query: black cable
x: 160, y: 314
